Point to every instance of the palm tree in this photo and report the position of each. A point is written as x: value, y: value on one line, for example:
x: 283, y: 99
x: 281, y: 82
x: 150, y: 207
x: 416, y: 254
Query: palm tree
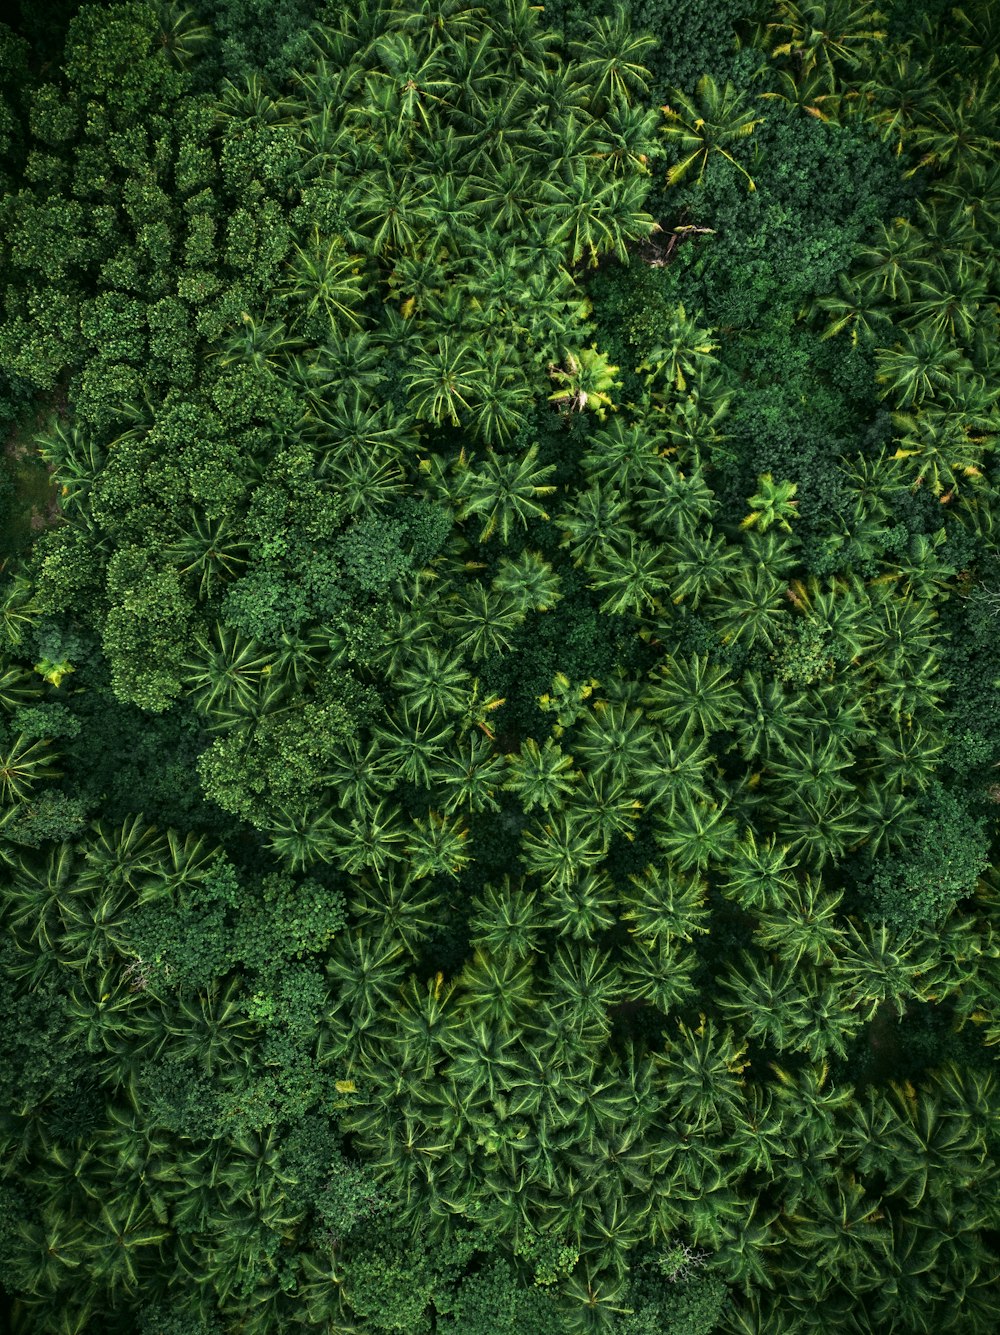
x: 700, y: 1077
x: 664, y: 905
x: 556, y: 90
x: 595, y: 524
x: 481, y: 1059
x: 753, y: 608
x: 410, y: 746
x: 843, y: 610
x: 354, y: 429
x: 497, y: 989
x: 451, y: 215
x: 301, y: 833
x: 803, y: 926
x: 949, y: 296
x: 224, y: 674
x: 675, y: 504
x: 506, y: 919
x: 365, y: 973
x: 892, y: 817
x: 560, y: 848
x: 106, y: 1015
x: 586, y: 380
x: 434, y: 679
x: 131, y: 854
x: 957, y: 135
x: 483, y: 622
x: 919, y: 365
x: 499, y: 409
x: 582, y: 985
x: 811, y: 1108
x: 771, y: 717
x: 906, y: 756
x: 761, y: 1313
x: 621, y: 455
x: 17, y: 686
x: 25, y: 761
x: 502, y: 188
x: 684, y: 353
x: 760, y: 874
x: 824, y: 827
x: 542, y: 776
x: 49, y: 1249
x: 813, y: 768
x: 943, y: 449
x: 850, y: 309
x: 696, y: 836
x: 43, y: 897
x: 437, y: 846
x: 690, y: 695
x: 253, y: 104
x: 634, y: 580
x: 897, y: 89
x: 773, y: 503
x: 119, y: 1242
x: 811, y: 93
x: 691, y: 425
x: 519, y: 34
x: 819, y: 34
x: 443, y: 379
x: 583, y: 908
x: 612, y: 806
x: 413, y: 81
x: 394, y: 904
x: 608, y: 60
x: 504, y: 490
x: 75, y: 460
x: 875, y: 968
x: 350, y: 360
x: 844, y: 1224
x: 19, y: 608
x: 705, y: 124
x: 297, y: 660
x: 587, y: 213
x: 613, y: 740
x: 471, y: 775
x: 625, y: 139
x: 676, y: 774
x: 265, y: 346
x: 391, y: 213
x: 934, y: 1148
x: 210, y: 550
x: 372, y: 839
x: 701, y: 563
x: 366, y: 483
x: 530, y: 580
x: 764, y: 997
x: 211, y: 1027
x: 427, y: 1020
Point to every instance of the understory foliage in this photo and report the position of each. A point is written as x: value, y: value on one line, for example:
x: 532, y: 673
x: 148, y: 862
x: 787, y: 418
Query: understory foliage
x: 498, y: 717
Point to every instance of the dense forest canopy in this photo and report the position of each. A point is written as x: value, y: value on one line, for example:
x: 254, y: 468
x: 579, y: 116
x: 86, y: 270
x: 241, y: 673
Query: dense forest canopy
x: 498, y: 662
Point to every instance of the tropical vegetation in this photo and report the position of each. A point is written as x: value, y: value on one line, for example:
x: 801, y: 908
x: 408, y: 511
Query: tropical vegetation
x: 498, y: 667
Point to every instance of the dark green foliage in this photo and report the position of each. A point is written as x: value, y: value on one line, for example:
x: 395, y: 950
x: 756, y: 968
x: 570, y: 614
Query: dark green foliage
x: 942, y: 866
x: 497, y: 696
x: 162, y: 1320
x: 492, y: 1299
x: 673, y: 1293
x: 259, y: 37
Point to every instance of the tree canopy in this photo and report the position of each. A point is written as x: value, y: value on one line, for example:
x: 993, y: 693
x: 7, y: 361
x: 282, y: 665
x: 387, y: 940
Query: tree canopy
x: 498, y: 668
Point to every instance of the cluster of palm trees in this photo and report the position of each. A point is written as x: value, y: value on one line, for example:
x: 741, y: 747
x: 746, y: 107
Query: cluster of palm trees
x: 590, y: 982
x: 924, y: 290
